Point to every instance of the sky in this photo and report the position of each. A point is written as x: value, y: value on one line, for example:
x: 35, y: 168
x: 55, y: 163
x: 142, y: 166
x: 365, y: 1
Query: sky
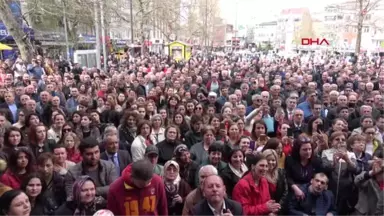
x: 263, y: 10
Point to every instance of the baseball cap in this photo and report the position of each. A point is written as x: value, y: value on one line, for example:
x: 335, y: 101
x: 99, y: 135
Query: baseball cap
x: 152, y: 149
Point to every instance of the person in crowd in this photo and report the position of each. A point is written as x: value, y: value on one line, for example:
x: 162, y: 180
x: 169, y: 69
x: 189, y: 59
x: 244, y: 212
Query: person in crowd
x: 15, y: 203
x: 32, y: 119
x: 252, y: 191
x: 199, y: 151
x: 317, y: 199
x: 301, y: 165
x: 120, y: 158
x: 20, y: 165
x: 188, y: 167
x: 168, y: 145
x: 196, y: 133
x: 372, y: 143
x: 87, y: 128
x: 128, y: 130
x: 278, y: 188
x: 21, y: 113
x: 3, y: 167
x: 85, y: 199
x: 158, y: 131
x: 215, y: 201
x: 41, y: 202
x: 142, y: 140
x: 12, y: 140
x: 276, y: 145
x: 140, y: 184
x: 39, y: 142
x: 196, y: 195
x: 71, y: 143
x: 370, y: 184
x: 234, y: 170
x: 356, y: 144
x: 343, y: 166
x: 215, y: 155
x: 175, y: 187
x: 152, y: 154
x: 60, y: 162
x: 102, y: 172
x: 55, y: 132
x: 53, y: 181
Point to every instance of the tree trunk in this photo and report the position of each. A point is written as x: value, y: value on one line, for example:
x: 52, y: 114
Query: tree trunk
x: 16, y: 30
x: 359, y: 28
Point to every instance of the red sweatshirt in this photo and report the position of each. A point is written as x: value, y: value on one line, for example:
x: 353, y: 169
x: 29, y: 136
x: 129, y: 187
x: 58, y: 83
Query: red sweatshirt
x: 125, y: 199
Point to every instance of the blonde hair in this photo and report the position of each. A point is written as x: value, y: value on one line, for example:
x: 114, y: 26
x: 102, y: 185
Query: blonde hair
x: 272, y: 175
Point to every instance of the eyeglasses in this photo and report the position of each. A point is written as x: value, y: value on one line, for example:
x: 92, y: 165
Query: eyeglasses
x: 370, y: 133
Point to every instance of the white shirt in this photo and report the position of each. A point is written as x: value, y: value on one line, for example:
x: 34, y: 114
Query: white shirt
x: 215, y: 213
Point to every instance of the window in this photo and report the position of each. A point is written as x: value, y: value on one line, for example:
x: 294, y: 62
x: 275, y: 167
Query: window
x: 366, y: 29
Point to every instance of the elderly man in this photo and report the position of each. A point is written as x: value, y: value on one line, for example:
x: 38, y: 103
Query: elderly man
x: 215, y: 202
x: 120, y: 158
x: 197, y: 194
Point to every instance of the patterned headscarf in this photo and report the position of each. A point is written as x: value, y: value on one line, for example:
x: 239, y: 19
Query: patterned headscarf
x: 172, y: 187
x: 80, y: 207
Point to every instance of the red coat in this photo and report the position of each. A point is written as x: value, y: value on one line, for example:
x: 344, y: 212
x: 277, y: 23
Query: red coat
x: 11, y: 180
x: 74, y: 156
x: 253, y: 198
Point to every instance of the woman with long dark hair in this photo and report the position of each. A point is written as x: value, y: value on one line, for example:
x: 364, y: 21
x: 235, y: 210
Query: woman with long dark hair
x: 31, y: 120
x: 87, y: 128
x: 39, y: 141
x: 12, y: 139
x: 301, y: 165
x: 20, y: 165
x: 53, y: 181
x: 35, y: 188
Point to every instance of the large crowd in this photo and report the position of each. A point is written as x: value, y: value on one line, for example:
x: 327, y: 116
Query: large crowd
x: 214, y: 135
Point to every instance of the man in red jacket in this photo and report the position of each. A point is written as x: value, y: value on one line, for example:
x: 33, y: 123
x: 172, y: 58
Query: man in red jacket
x: 138, y: 192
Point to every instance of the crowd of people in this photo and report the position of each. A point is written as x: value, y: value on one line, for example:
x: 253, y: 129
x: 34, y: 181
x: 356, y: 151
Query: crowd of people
x: 218, y: 135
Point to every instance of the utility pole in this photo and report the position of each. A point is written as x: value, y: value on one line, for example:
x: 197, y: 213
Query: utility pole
x: 97, y: 27
x: 66, y: 31
x: 103, y: 35
x: 131, y: 14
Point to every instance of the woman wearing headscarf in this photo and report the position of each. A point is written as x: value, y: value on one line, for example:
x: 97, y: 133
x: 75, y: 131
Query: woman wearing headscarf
x: 188, y: 167
x: 85, y: 201
x: 176, y: 188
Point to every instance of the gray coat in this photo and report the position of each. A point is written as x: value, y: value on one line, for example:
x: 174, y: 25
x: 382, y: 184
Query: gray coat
x: 107, y: 175
x: 371, y: 198
x: 198, y: 153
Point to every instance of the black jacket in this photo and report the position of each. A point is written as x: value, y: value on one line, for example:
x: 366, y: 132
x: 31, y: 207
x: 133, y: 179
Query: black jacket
x: 229, y: 179
x: 166, y: 150
x: 202, y: 208
x: 281, y: 192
